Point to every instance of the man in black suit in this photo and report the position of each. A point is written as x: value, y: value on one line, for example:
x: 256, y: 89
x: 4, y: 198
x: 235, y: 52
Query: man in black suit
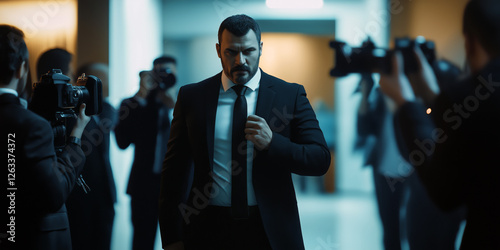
x: 144, y: 121
x: 455, y: 148
x: 91, y: 214
x: 37, y: 181
x: 242, y: 195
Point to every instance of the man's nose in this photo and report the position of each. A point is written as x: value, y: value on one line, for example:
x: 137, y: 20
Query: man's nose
x: 240, y: 58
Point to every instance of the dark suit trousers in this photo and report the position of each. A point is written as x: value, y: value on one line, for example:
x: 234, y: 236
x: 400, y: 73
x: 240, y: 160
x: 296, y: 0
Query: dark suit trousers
x: 215, y: 229
x: 144, y: 220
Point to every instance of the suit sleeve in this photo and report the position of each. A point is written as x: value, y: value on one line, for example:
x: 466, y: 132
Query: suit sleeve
x: 305, y: 151
x: 174, y: 176
x: 53, y: 176
x: 431, y: 148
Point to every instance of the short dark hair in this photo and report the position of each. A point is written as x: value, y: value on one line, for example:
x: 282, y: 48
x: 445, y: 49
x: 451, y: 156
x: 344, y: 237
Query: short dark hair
x: 53, y: 59
x: 164, y: 59
x: 482, y: 21
x: 13, y: 52
x: 239, y: 25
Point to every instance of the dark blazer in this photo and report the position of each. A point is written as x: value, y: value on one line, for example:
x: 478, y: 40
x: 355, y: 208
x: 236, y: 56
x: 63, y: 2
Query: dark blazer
x: 455, y: 151
x: 92, y: 213
x: 43, y: 180
x: 298, y: 146
x: 138, y: 124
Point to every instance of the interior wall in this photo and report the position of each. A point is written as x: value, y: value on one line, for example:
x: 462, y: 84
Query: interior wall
x: 439, y: 21
x: 303, y: 59
x: 93, y: 32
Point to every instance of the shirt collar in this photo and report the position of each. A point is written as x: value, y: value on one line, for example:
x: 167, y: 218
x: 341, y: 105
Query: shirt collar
x: 8, y: 91
x: 253, y: 84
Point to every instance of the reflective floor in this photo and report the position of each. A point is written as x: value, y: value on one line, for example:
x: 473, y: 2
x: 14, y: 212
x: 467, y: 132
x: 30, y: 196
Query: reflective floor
x: 340, y: 221
x: 330, y: 221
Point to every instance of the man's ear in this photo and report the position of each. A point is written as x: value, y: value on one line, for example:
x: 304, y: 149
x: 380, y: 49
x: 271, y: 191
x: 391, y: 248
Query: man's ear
x: 21, y: 71
x: 260, y: 49
x: 217, y: 47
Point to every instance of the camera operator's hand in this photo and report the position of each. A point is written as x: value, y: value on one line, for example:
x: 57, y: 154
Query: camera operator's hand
x: 167, y: 97
x: 81, y: 121
x: 424, y: 82
x: 396, y: 85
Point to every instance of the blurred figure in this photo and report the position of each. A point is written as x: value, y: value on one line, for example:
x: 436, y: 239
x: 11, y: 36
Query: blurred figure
x: 39, y: 181
x: 55, y: 59
x: 455, y: 148
x: 144, y: 121
x: 405, y: 210
x: 427, y: 226
x: 376, y: 141
x: 91, y: 214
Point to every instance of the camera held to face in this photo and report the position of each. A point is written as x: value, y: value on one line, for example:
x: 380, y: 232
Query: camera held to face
x: 163, y: 78
x: 55, y: 99
x: 369, y: 59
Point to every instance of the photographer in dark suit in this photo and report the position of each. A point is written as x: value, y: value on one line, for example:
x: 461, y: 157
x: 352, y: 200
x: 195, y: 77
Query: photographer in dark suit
x: 455, y: 148
x: 40, y: 181
x: 91, y: 214
x: 144, y: 121
x: 246, y: 132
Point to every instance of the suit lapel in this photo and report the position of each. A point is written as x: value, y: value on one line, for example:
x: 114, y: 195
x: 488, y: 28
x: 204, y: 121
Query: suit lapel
x: 211, y: 100
x: 265, y: 98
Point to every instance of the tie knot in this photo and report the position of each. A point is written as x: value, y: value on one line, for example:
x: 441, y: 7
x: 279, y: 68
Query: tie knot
x: 239, y: 89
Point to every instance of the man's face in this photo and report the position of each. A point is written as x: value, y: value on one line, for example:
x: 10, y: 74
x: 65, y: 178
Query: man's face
x: 239, y: 56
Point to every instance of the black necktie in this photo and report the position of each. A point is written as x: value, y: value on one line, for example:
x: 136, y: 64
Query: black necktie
x: 158, y: 163
x: 239, y: 204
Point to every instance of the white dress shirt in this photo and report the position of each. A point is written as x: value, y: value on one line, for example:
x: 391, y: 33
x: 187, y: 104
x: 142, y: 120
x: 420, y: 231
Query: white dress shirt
x: 222, y: 140
x: 8, y: 91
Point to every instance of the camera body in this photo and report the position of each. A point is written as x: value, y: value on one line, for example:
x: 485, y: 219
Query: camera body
x: 56, y: 100
x: 370, y: 59
x: 163, y: 78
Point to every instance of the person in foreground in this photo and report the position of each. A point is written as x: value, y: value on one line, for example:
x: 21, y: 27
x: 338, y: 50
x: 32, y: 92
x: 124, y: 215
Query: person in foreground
x: 455, y: 148
x: 39, y: 181
x: 244, y: 132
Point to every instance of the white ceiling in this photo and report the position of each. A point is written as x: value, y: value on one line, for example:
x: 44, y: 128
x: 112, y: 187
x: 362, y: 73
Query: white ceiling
x: 183, y: 19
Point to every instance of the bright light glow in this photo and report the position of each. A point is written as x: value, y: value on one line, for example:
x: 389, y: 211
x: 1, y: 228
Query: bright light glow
x: 294, y: 4
x: 40, y: 18
x: 428, y: 111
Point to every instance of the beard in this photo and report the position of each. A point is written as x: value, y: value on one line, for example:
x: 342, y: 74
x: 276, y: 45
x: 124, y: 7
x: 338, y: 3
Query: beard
x: 239, y: 78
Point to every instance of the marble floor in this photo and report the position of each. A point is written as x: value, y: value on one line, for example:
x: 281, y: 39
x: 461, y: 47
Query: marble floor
x: 338, y: 221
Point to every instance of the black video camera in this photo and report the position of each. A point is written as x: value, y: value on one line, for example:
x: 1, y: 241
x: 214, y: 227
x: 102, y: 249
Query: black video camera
x: 163, y: 78
x: 369, y: 59
x: 55, y: 99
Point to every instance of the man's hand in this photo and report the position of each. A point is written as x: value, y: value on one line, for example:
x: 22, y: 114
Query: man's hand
x: 396, y: 85
x: 167, y: 97
x: 81, y: 121
x: 258, y: 132
x: 424, y: 82
x: 175, y: 246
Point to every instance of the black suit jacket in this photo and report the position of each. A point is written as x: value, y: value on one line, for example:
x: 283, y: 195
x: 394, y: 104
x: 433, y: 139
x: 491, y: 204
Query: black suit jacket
x: 42, y: 179
x: 139, y: 124
x: 455, y: 151
x: 97, y: 172
x: 297, y: 146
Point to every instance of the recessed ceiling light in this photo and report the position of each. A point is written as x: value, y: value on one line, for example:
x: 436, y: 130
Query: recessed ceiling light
x: 294, y: 4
